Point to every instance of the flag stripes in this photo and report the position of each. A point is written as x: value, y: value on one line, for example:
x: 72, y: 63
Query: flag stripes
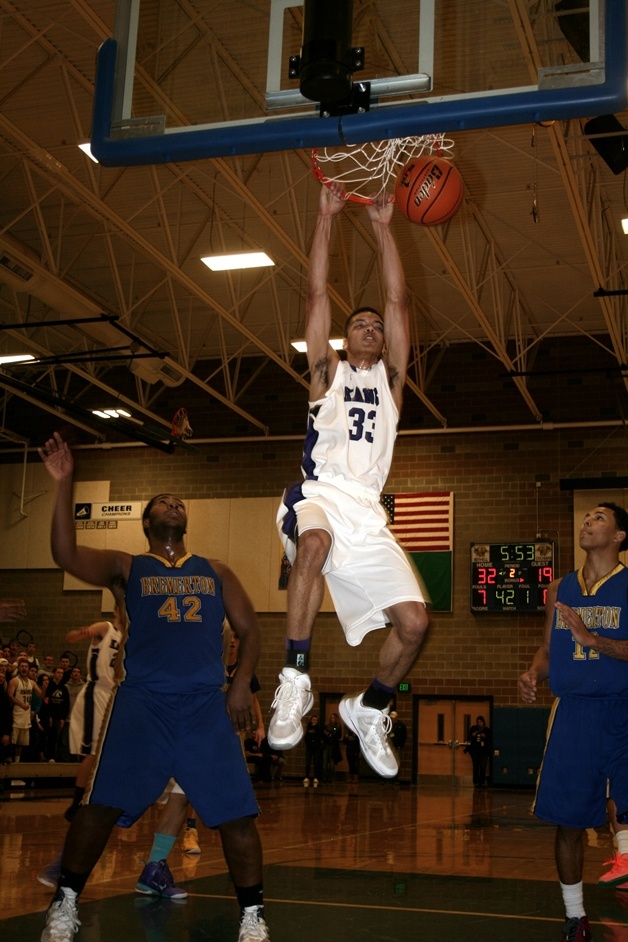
x: 422, y: 522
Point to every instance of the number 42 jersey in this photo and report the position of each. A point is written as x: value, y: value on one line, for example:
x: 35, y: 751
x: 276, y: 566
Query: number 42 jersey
x: 175, y: 616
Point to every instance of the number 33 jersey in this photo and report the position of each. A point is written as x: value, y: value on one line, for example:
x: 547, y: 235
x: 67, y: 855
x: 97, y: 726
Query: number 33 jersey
x: 352, y: 429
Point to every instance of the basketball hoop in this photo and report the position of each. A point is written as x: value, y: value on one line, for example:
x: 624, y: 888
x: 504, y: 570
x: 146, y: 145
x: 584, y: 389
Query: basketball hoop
x: 364, y: 170
x: 181, y: 427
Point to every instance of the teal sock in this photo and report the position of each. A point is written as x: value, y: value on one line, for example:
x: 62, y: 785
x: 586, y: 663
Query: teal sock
x: 162, y: 845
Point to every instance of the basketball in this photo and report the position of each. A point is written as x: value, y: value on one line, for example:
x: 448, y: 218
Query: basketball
x: 429, y: 190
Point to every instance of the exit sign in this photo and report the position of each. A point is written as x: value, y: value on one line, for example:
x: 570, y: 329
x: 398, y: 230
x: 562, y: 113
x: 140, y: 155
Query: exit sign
x: 404, y: 688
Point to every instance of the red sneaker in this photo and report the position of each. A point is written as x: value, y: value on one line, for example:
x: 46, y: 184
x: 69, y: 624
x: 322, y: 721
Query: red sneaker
x: 618, y: 872
x: 576, y: 930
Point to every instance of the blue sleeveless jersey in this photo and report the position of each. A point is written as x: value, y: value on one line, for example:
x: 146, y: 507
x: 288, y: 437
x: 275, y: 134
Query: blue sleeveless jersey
x: 583, y: 672
x: 175, y: 618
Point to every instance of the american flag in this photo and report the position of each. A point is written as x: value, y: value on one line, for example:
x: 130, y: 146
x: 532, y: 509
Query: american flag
x: 422, y: 522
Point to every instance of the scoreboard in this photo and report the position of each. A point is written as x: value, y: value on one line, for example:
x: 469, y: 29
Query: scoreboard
x: 511, y: 577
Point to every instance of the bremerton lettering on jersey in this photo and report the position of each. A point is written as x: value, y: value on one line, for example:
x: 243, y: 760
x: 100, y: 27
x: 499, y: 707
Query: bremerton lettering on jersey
x: 594, y: 616
x: 178, y: 585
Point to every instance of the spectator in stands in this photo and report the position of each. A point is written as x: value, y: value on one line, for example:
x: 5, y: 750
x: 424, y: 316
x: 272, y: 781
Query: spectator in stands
x: 64, y: 662
x: 14, y: 649
x: 20, y: 691
x: 31, y: 656
x: 48, y: 665
x: 313, y: 752
x: 31, y: 754
x: 75, y: 684
x: 6, y: 715
x: 332, y: 755
x: 58, y: 700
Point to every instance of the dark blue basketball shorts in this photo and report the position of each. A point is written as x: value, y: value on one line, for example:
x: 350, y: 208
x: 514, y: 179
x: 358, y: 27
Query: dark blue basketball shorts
x: 585, y: 760
x: 151, y: 737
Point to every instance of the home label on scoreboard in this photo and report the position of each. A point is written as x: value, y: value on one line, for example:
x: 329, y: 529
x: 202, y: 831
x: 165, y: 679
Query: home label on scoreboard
x: 511, y: 577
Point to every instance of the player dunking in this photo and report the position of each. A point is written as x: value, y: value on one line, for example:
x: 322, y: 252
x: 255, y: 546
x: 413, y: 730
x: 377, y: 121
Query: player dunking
x: 334, y: 518
x: 169, y: 715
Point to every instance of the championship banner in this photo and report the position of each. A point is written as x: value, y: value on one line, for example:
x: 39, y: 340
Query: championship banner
x: 104, y: 510
x: 423, y: 523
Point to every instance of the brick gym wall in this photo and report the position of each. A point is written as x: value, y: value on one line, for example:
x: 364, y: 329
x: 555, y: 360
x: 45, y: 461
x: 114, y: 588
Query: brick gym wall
x: 506, y: 487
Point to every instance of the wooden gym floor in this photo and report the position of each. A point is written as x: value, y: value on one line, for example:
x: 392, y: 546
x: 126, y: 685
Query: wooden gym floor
x: 376, y: 861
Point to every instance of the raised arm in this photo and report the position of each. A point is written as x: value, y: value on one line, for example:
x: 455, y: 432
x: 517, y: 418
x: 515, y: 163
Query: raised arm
x: 95, y: 632
x: 322, y: 358
x: 98, y: 567
x: 396, y: 309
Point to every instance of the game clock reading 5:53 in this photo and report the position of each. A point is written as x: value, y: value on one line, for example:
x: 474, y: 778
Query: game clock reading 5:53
x: 511, y: 577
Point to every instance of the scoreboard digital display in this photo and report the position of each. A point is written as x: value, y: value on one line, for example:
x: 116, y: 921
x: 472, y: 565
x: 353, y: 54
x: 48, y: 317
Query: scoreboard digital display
x: 511, y: 577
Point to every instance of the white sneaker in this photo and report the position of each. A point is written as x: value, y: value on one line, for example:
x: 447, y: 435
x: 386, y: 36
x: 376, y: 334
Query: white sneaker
x: 306, y: 783
x: 293, y: 699
x: 315, y: 783
x: 372, y: 727
x: 62, y: 920
x: 252, y: 926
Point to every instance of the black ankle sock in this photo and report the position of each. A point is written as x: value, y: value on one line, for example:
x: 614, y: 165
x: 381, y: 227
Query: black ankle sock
x: 74, y: 881
x: 298, y: 654
x: 377, y: 696
x: 251, y: 896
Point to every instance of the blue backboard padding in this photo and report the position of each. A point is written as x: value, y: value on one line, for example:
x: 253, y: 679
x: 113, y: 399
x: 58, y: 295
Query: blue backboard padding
x: 419, y: 117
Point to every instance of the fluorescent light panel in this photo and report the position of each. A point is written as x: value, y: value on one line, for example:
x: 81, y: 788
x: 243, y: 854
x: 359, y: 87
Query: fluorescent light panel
x: 111, y: 413
x: 237, y: 260
x: 87, y: 149
x: 16, y: 358
x: 335, y: 342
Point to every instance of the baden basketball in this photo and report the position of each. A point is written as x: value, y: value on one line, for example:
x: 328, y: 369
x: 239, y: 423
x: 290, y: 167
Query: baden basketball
x: 429, y: 190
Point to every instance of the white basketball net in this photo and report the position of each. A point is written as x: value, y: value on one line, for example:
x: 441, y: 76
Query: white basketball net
x: 366, y: 170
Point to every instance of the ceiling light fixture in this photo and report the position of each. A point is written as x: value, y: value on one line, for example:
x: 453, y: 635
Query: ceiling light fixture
x: 16, y: 358
x: 237, y: 260
x: 87, y: 149
x: 301, y: 346
x: 111, y: 413
x: 624, y: 225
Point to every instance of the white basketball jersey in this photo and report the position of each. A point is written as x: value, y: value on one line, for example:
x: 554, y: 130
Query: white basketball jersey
x: 352, y: 429
x: 101, y: 657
